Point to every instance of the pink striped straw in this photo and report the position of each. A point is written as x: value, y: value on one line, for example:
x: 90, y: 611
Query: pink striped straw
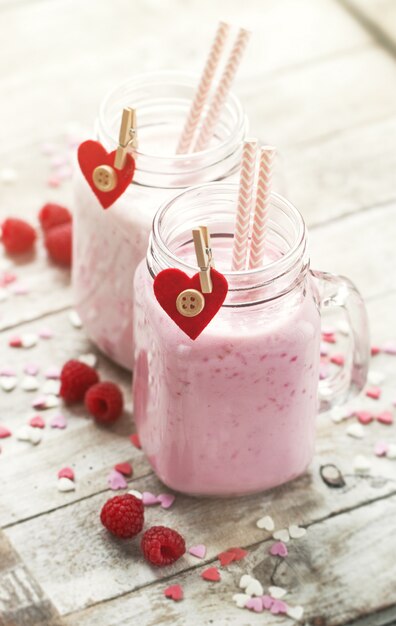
x: 245, y: 195
x: 222, y: 90
x: 263, y: 195
x: 203, y: 89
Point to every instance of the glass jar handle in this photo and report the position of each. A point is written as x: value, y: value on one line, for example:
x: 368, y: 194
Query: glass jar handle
x: 337, y: 292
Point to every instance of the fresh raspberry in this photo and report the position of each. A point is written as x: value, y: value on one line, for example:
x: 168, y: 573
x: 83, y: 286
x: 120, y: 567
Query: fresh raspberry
x: 76, y: 379
x: 17, y: 235
x: 105, y: 402
x: 123, y: 516
x: 58, y: 241
x: 51, y: 215
x: 162, y: 546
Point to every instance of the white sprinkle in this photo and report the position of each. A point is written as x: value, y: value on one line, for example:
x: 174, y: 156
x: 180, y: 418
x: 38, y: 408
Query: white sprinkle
x: 51, y: 402
x: 8, y: 175
x: 51, y: 386
x: 343, y: 327
x: 23, y: 433
x: 254, y: 588
x: 89, y: 359
x: 30, y: 383
x: 27, y: 433
x: 337, y: 414
x: 65, y: 484
x: 4, y: 294
x: 296, y: 612
x: 266, y: 523
x: 245, y: 580
x: 136, y: 493
x: 375, y: 378
x: 361, y: 464
x: 356, y: 431
x: 391, y: 453
x: 277, y: 592
x: 29, y: 340
x: 282, y: 535
x: 75, y: 319
x: 8, y: 383
x: 240, y: 599
x: 296, y: 532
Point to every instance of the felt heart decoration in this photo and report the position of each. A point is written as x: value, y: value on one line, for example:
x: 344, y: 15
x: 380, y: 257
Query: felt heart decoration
x: 171, y: 282
x: 91, y: 154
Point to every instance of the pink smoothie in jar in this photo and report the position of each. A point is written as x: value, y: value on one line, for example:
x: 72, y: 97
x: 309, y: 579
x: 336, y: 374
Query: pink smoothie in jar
x: 234, y: 411
x: 109, y: 244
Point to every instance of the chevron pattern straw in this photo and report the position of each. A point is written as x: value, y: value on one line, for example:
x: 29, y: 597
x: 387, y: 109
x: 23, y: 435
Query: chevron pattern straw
x: 214, y: 112
x: 203, y: 89
x: 263, y: 194
x: 242, y: 222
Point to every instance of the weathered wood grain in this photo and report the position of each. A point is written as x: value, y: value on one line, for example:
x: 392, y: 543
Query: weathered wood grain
x: 331, y: 572
x: 378, y: 16
x: 22, y: 602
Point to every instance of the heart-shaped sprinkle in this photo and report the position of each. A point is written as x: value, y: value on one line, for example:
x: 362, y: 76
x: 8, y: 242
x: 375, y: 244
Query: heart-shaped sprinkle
x: 240, y: 599
x: 389, y: 347
x: 149, y: 499
x: 279, y: 549
x: 282, y: 535
x: 89, y: 359
x: 166, y: 500
x: 4, y: 432
x: 267, y: 602
x: 245, y: 580
x: 170, y: 283
x: 337, y: 414
x: 212, y: 574
x: 136, y: 493
x: 58, y: 421
x: 375, y: 378
x: 35, y: 436
x: 199, y: 551
x: 338, y: 359
x: 37, y: 422
x: 361, y: 464
x: 324, y: 350
x: 375, y: 350
x: 296, y: 532
x: 330, y: 338
x: 124, y: 468
x: 26, y: 433
x: 226, y: 558
x: 355, y: 430
x: 66, y: 472
x: 386, y: 417
x: 116, y: 481
x: 29, y: 340
x: 15, y: 341
x: 254, y: 588
x: 91, y: 154
x: 31, y: 369
x: 8, y: 383
x: 373, y: 392
x: 343, y: 327
x: 295, y: 612
x: 30, y: 383
x: 278, y: 607
x: 51, y: 387
x: 65, y: 484
x: 52, y: 372
x: 45, y: 333
x: 45, y: 402
x: 174, y: 592
x: 75, y: 319
x: 135, y: 441
x: 381, y: 448
x: 391, y: 453
x: 266, y: 523
x: 255, y: 604
x: 277, y: 592
x: 364, y: 417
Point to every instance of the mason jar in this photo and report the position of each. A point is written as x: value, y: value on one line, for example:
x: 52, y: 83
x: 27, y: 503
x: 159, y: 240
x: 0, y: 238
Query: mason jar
x: 109, y: 244
x: 234, y: 411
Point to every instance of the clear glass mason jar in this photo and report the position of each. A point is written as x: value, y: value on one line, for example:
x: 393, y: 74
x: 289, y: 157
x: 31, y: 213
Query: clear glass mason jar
x: 108, y: 244
x: 234, y: 411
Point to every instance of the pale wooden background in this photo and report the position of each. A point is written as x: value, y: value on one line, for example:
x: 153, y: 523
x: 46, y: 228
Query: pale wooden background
x: 318, y: 81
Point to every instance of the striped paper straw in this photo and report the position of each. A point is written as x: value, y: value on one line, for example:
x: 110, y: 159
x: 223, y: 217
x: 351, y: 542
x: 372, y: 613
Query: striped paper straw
x: 242, y: 222
x: 222, y: 91
x: 259, y: 229
x: 203, y: 89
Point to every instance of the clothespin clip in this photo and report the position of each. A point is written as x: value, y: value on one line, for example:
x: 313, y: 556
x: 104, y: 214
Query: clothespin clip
x: 203, y: 253
x: 127, y: 136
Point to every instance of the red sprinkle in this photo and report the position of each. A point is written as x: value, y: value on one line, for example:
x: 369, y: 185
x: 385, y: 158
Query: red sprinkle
x: 135, y: 441
x: 212, y: 574
x: 4, y: 432
x: 174, y: 592
x: 373, y: 392
x: 330, y: 338
x: 230, y: 555
x: 375, y: 350
x: 124, y: 468
x: 338, y: 359
x: 364, y: 417
x: 15, y: 342
x: 386, y: 417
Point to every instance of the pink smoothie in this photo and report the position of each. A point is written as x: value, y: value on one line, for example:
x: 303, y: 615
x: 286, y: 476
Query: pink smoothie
x: 234, y: 411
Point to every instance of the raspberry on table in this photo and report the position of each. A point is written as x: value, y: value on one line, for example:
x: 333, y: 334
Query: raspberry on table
x: 162, y: 546
x: 105, y: 402
x: 58, y: 241
x: 76, y: 379
x: 123, y: 516
x: 52, y: 214
x: 17, y: 236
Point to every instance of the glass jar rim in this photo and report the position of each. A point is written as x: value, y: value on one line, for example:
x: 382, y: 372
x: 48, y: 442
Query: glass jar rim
x: 184, y: 79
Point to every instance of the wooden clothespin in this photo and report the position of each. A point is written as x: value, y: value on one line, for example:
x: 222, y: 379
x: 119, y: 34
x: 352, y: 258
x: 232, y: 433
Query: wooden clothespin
x: 203, y: 253
x: 127, y: 137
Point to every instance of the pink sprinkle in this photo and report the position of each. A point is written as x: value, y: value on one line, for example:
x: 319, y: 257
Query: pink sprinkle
x: 386, y: 417
x: 31, y: 369
x: 375, y: 350
x: 149, y: 499
x: 58, y: 421
x: 53, y: 181
x: 37, y: 422
x: 381, y: 448
x: 323, y: 371
x: 255, y: 604
x: 278, y: 607
x: 66, y: 472
x: 324, y: 351
x: 7, y: 371
x: 15, y: 341
x: 166, y: 500
x: 4, y: 432
x: 52, y: 372
x: 389, y: 347
x: 116, y: 481
x: 267, y: 601
x: 39, y: 403
x: 19, y: 289
x: 373, y: 392
x: 7, y: 278
x: 199, y: 551
x: 329, y: 338
x: 45, y: 333
x: 279, y: 549
x: 338, y: 359
x: 364, y: 417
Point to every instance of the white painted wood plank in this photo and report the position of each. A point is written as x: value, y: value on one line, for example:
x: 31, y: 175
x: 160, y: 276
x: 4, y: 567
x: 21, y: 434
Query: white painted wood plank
x: 339, y: 572
x: 379, y: 15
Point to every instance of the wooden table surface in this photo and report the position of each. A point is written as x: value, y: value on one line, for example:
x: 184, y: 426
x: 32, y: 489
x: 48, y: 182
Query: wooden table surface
x: 319, y: 82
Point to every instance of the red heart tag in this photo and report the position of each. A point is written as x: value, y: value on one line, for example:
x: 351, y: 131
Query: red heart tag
x: 124, y: 468
x: 171, y: 282
x: 91, y: 154
x: 175, y: 592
